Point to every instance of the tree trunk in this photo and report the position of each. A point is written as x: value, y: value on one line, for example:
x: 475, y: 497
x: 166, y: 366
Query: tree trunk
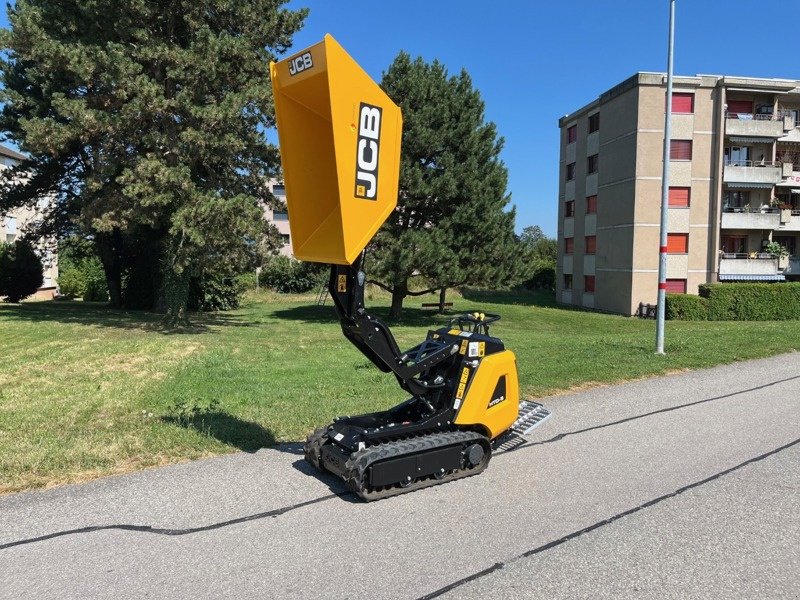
x: 442, y: 299
x: 399, y: 292
x: 108, y: 248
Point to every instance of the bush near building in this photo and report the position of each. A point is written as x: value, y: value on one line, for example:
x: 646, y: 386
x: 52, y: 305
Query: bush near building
x: 686, y: 307
x: 289, y: 276
x: 752, y: 301
x: 21, y: 272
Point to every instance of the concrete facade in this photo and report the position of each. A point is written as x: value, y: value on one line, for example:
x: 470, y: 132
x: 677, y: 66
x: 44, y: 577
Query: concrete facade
x: 739, y: 173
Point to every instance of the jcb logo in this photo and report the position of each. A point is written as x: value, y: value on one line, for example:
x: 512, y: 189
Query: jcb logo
x: 300, y: 63
x: 369, y: 141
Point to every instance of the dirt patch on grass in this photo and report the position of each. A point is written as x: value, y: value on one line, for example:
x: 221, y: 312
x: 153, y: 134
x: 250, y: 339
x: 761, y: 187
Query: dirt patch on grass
x: 591, y: 385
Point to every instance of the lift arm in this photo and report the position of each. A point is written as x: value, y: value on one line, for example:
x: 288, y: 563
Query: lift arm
x: 374, y: 339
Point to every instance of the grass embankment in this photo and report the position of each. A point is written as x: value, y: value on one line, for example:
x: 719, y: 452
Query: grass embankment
x: 86, y: 391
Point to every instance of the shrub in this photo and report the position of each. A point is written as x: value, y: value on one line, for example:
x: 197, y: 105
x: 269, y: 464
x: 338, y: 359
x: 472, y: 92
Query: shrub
x: 752, y: 301
x: 287, y: 275
x: 21, y: 272
x: 81, y: 273
x: 214, y: 292
x: 686, y: 307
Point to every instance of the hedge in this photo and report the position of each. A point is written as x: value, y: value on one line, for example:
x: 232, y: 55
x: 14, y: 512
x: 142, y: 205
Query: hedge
x: 752, y: 301
x: 686, y: 307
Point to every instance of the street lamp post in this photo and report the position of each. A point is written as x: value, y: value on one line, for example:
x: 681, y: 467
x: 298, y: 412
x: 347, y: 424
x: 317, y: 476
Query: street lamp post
x: 662, y: 251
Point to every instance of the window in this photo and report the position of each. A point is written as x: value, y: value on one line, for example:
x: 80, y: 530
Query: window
x: 734, y: 199
x: 738, y: 156
x: 569, y: 245
x: 570, y: 208
x: 677, y: 243
x: 739, y: 107
x: 679, y: 196
x: 680, y: 150
x: 734, y: 244
x: 682, y: 102
x: 594, y: 122
x: 591, y: 205
x: 11, y: 225
x: 588, y: 284
x: 280, y: 215
x: 676, y: 286
x: 572, y: 134
x: 567, y: 282
x: 590, y: 244
x: 10, y: 237
x: 285, y: 239
x: 279, y: 191
x: 787, y: 242
x: 570, y: 171
x: 591, y: 163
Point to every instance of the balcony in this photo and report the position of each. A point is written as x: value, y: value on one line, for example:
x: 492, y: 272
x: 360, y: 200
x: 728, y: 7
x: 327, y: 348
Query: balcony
x: 755, y: 266
x: 750, y: 125
x: 743, y: 218
x: 752, y: 173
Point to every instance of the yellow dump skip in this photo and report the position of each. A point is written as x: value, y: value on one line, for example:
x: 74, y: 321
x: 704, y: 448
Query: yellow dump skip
x: 339, y: 135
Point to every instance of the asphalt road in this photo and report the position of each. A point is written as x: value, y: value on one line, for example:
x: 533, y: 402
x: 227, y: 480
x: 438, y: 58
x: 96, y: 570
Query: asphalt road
x: 686, y: 486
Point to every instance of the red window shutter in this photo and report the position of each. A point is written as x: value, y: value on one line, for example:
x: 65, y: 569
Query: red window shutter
x: 591, y: 205
x: 677, y: 243
x: 682, y: 102
x: 569, y: 245
x: 676, y: 286
x: 570, y: 208
x: 572, y: 134
x: 740, y: 106
x: 679, y: 196
x: 591, y: 244
x: 588, y: 284
x: 680, y: 149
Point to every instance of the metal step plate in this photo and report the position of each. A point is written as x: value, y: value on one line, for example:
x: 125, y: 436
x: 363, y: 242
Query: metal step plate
x: 531, y: 415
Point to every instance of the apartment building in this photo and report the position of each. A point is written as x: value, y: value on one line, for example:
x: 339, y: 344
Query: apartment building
x: 280, y: 218
x: 14, y: 223
x: 734, y: 188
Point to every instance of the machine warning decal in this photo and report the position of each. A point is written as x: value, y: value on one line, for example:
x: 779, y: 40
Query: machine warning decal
x: 341, y: 284
x: 499, y: 393
x: 463, y: 349
x: 301, y: 63
x: 476, y: 349
x: 369, y: 141
x: 462, y: 385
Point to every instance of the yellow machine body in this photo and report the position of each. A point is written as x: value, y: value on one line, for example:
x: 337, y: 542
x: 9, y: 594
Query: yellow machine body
x: 483, y: 404
x: 340, y: 137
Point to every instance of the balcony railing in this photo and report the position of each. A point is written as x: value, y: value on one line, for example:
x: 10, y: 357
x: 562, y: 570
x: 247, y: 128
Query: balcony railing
x: 747, y: 209
x: 730, y: 162
x: 747, y: 255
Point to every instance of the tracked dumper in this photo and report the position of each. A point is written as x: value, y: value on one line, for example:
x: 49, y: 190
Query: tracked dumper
x: 340, y: 148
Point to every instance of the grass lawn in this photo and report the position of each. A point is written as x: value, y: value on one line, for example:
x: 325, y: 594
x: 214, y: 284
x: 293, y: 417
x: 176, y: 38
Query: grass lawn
x: 86, y: 391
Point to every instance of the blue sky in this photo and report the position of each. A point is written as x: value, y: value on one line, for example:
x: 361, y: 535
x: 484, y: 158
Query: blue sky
x: 535, y: 61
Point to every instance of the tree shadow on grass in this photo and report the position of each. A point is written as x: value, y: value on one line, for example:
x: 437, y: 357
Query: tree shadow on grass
x: 228, y: 429
x: 411, y: 317
x: 543, y: 298
x: 98, y: 314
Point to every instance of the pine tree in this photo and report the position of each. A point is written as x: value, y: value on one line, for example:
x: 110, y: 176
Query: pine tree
x: 144, y: 120
x: 451, y: 226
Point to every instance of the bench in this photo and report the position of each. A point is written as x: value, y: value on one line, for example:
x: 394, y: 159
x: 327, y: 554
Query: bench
x: 435, y: 305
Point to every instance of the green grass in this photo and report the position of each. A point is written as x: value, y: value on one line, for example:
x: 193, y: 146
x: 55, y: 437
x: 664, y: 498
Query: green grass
x: 86, y: 391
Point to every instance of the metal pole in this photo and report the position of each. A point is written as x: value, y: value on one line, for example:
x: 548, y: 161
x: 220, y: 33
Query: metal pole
x: 662, y: 251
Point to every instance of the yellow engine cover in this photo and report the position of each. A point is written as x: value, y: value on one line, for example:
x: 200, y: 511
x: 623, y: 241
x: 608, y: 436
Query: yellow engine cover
x: 339, y: 136
x: 480, y: 407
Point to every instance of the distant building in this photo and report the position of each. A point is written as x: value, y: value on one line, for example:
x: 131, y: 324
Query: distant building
x: 13, y: 226
x: 734, y: 188
x: 280, y: 218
